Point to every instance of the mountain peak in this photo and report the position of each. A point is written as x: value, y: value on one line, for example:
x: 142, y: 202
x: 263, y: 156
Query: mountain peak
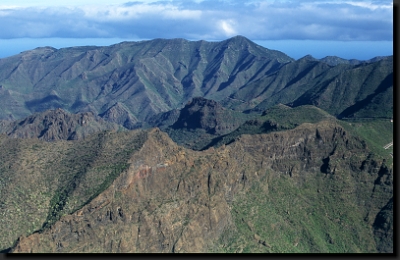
x: 308, y: 57
x: 239, y: 39
x: 37, y: 52
x: 335, y: 60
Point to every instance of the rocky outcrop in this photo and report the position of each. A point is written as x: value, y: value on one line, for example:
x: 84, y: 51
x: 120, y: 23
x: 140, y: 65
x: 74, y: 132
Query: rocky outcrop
x: 55, y: 125
x: 119, y: 114
x: 383, y: 228
x: 201, y: 113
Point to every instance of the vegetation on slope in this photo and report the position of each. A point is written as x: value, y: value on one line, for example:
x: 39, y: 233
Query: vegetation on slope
x: 41, y: 181
x: 279, y: 216
x: 315, y: 188
x: 144, y: 78
x: 317, y: 184
x: 130, y: 82
x: 57, y: 124
x: 376, y: 133
x: 200, y: 121
x: 277, y: 118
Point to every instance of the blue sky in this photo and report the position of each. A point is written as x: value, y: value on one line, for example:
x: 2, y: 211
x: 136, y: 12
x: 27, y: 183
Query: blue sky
x: 360, y: 29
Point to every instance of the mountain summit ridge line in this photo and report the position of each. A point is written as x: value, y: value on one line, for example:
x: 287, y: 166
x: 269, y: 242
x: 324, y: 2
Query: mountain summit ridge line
x: 129, y: 82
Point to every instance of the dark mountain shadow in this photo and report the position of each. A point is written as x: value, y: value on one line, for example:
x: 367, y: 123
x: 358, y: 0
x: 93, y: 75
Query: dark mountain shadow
x: 49, y: 102
x: 385, y: 84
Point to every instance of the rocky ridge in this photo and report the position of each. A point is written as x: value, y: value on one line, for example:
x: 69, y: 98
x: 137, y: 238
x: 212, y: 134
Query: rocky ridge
x: 55, y: 125
x: 173, y: 199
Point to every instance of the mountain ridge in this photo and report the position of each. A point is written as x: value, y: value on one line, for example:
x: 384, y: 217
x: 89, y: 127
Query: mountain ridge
x: 55, y: 125
x: 160, y: 205
x: 155, y: 76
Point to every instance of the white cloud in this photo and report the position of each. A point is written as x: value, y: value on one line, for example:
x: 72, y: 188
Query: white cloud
x: 227, y: 27
x: 369, y: 5
x: 175, y: 13
x: 48, y: 3
x: 203, y: 19
x: 123, y: 13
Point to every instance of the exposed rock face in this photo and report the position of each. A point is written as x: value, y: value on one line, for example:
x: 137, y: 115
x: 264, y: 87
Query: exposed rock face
x: 173, y: 199
x: 120, y: 115
x: 55, y: 125
x: 198, y: 122
x: 164, y: 120
x: 201, y: 113
x: 383, y: 228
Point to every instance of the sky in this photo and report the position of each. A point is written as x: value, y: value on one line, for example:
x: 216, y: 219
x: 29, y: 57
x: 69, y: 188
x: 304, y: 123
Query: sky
x: 351, y: 29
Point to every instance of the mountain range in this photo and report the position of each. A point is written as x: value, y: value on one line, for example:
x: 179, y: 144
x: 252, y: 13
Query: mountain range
x: 130, y: 82
x: 195, y: 146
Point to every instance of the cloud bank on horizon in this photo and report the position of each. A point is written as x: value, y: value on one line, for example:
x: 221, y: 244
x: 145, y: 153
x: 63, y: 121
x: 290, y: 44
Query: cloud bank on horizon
x: 338, y: 20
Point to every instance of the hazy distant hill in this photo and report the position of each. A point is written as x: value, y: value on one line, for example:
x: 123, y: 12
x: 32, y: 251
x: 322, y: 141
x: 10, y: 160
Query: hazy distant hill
x: 334, y: 60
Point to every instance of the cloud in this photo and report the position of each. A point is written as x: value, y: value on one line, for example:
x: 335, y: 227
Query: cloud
x: 129, y: 12
x: 205, y: 19
x: 371, y: 5
x: 227, y: 27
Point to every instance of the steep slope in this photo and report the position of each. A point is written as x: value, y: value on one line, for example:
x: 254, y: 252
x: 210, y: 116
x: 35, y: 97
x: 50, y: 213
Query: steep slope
x: 201, y: 113
x: 55, y: 125
x: 343, y: 90
x: 146, y: 77
x: 383, y: 228
x: 314, y: 188
x: 120, y: 114
x: 200, y: 121
x: 130, y: 82
x: 360, y: 91
x: 282, y: 86
x: 41, y: 181
x: 276, y: 118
